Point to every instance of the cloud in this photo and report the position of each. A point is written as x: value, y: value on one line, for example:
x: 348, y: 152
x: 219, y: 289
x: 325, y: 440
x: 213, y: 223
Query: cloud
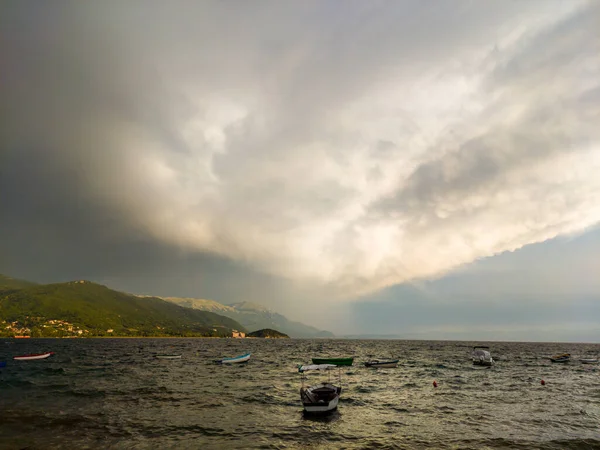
x: 352, y: 149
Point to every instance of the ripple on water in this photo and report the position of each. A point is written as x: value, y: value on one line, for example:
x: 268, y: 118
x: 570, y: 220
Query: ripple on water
x: 113, y: 393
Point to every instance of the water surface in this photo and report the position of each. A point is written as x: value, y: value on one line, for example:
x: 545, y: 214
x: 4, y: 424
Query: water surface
x: 112, y: 393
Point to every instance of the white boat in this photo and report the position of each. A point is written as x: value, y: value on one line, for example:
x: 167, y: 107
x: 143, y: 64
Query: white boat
x: 390, y: 364
x: 168, y: 356
x: 236, y: 359
x: 33, y: 356
x: 481, y: 356
x: 588, y: 360
x: 322, y: 397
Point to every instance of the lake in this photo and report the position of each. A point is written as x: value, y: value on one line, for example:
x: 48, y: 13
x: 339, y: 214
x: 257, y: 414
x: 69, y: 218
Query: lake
x: 113, y: 393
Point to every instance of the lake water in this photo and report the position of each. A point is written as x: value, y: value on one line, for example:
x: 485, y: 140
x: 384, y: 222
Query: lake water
x: 112, y: 393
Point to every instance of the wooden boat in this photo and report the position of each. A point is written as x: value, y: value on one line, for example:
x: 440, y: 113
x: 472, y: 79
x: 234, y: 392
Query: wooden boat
x: 382, y: 364
x: 481, y: 356
x: 319, y: 398
x: 588, y: 360
x: 33, y: 356
x: 236, y: 359
x: 167, y: 356
x: 334, y: 361
x: 563, y: 358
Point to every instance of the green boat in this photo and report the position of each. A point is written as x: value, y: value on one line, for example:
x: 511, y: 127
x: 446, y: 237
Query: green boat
x: 334, y: 361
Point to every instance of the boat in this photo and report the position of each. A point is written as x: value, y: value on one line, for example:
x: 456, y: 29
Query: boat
x: 588, y: 360
x: 167, y: 356
x: 562, y: 358
x: 389, y: 364
x: 236, y: 359
x: 481, y: 356
x: 334, y: 361
x: 33, y: 356
x: 323, y: 397
x: 2, y: 364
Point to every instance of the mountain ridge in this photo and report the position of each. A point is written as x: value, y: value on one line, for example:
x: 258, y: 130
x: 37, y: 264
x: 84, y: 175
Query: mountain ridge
x: 85, y: 308
x: 244, y: 316
x: 254, y: 316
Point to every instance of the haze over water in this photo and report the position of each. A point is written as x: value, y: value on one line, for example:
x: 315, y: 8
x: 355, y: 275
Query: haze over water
x: 112, y: 393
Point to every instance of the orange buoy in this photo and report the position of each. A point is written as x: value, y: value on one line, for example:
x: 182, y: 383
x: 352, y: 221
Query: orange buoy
x: 434, y: 383
x: 543, y: 383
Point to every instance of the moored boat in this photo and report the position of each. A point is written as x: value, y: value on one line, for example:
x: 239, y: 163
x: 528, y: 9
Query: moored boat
x: 588, y: 360
x: 236, y: 359
x: 2, y: 364
x: 481, y: 356
x: 562, y: 358
x: 167, y: 356
x: 389, y: 364
x: 33, y: 356
x: 334, y: 361
x: 319, y: 398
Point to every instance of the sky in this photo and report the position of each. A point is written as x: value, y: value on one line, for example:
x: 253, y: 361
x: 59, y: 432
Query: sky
x: 420, y: 169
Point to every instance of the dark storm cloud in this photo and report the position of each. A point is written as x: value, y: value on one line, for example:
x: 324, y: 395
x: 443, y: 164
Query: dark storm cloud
x: 139, y: 137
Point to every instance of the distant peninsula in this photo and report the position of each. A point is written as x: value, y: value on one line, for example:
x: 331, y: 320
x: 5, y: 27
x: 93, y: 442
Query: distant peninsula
x: 267, y: 333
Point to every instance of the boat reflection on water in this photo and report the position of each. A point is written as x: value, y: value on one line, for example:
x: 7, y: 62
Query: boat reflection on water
x: 328, y: 417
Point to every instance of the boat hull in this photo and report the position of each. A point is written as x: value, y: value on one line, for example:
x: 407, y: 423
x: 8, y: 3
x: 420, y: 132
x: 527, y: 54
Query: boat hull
x: 168, y: 356
x: 483, y: 363
x: 589, y: 361
x: 334, y: 361
x: 382, y: 364
x: 236, y: 360
x: 33, y: 357
x: 314, y: 408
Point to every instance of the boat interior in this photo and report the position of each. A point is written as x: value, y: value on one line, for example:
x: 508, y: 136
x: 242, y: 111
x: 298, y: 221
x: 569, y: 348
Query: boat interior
x: 321, y: 393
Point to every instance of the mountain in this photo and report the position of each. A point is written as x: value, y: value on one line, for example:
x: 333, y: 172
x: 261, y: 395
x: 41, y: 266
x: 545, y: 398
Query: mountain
x: 267, y: 333
x: 94, y: 309
x: 204, y: 305
x: 7, y: 283
x: 253, y: 316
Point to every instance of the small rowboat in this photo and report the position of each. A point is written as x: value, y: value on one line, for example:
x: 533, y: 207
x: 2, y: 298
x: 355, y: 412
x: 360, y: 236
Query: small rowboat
x: 334, y: 361
x: 236, y: 359
x: 168, y: 356
x: 583, y: 361
x: 382, y: 364
x: 33, y: 356
x: 564, y: 358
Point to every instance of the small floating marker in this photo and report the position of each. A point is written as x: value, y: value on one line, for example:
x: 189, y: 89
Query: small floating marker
x: 434, y: 383
x: 543, y: 383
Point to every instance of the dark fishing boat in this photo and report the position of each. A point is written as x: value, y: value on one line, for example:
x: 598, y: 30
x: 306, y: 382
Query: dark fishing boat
x: 323, y: 397
x: 334, y: 361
